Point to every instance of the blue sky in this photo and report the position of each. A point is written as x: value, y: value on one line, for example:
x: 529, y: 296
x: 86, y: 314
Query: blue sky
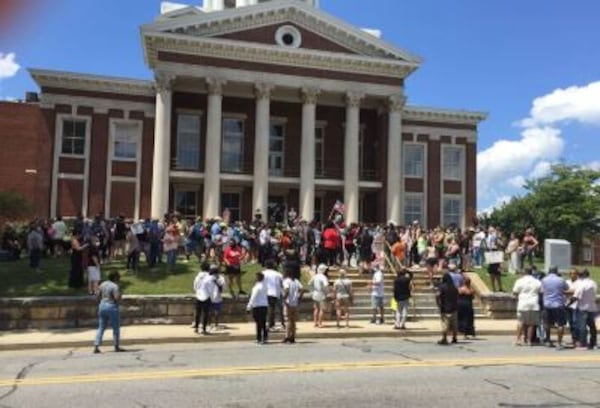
x: 497, y: 56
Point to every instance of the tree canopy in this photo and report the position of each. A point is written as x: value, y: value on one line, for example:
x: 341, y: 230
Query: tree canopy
x: 563, y: 205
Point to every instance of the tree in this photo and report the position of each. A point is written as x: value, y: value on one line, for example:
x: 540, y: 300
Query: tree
x: 563, y: 205
x: 13, y: 206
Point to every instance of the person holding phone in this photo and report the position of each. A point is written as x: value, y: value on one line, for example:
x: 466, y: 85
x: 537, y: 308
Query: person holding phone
x: 109, y: 296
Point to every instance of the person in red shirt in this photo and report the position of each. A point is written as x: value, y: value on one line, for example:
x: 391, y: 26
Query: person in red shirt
x: 331, y: 242
x: 233, y: 266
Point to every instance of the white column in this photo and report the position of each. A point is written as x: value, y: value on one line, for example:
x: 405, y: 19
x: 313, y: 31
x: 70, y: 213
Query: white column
x: 307, y: 155
x: 162, y: 147
x: 394, y: 159
x: 260, y: 185
x: 351, y: 156
x: 212, y: 170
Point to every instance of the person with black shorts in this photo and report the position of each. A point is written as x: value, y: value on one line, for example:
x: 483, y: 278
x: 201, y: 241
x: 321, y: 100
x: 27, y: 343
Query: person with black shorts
x: 233, y: 266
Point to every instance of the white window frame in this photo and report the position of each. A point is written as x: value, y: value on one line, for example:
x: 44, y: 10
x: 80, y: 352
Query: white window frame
x: 114, y: 123
x: 461, y: 210
x: 58, y: 132
x: 423, y: 147
x: 588, y: 254
x: 461, y: 167
x: 422, y: 217
x: 242, y: 119
x: 320, y: 126
x: 136, y: 180
x: 88, y: 131
x: 283, y: 123
x: 199, y: 114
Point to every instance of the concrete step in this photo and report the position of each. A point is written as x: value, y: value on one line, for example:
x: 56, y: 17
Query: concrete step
x: 389, y: 317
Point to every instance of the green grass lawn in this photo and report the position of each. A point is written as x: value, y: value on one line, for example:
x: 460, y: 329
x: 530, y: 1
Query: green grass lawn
x: 508, y: 280
x: 18, y: 280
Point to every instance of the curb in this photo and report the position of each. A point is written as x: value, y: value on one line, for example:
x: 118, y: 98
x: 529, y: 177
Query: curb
x: 241, y: 338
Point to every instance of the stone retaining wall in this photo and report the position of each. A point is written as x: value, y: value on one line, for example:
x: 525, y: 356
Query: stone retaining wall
x: 504, y: 305
x: 80, y: 312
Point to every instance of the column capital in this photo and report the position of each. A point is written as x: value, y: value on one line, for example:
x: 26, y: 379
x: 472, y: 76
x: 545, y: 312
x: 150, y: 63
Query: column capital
x: 310, y: 95
x: 215, y: 85
x: 164, y: 81
x: 263, y: 90
x: 396, y: 103
x: 353, y: 99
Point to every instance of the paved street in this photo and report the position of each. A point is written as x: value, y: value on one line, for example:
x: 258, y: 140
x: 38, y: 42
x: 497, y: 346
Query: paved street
x: 318, y: 373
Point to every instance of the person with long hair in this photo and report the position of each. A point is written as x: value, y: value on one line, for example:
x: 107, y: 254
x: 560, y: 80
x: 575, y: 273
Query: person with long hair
x: 109, y: 295
x: 466, y: 314
x: 343, y: 297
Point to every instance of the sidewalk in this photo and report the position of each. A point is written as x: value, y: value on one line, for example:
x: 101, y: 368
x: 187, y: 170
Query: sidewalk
x: 155, y: 334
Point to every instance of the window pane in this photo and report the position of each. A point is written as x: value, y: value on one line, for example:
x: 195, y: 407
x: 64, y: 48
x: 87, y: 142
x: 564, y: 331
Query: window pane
x: 413, y: 160
x: 125, y: 141
x: 185, y: 202
x: 452, y: 163
x: 188, y: 142
x: 78, y: 146
x: 68, y: 128
x: 80, y: 129
x: 232, y: 148
x: 413, y: 209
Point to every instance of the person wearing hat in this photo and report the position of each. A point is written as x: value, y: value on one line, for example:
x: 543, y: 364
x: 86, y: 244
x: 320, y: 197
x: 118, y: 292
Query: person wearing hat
x: 319, y: 284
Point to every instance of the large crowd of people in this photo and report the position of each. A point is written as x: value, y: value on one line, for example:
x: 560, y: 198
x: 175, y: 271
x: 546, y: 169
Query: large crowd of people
x: 223, y: 246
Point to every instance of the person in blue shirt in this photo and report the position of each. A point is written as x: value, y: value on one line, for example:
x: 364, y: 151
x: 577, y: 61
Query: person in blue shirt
x: 554, y: 289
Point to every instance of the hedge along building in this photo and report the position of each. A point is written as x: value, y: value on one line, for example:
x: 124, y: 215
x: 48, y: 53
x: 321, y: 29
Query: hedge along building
x: 257, y: 103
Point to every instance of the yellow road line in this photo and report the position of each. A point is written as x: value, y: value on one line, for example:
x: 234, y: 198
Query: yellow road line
x: 296, y: 368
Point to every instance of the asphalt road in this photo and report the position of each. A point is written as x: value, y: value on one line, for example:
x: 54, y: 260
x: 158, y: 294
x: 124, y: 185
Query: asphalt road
x: 350, y: 373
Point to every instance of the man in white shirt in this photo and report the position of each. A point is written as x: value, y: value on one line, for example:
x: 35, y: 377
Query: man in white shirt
x: 320, y: 288
x: 274, y: 283
x: 292, y: 293
x: 377, y: 285
x: 528, y: 291
x: 572, y: 304
x: 60, y: 230
x: 204, y: 288
x: 258, y: 305
x: 586, y: 291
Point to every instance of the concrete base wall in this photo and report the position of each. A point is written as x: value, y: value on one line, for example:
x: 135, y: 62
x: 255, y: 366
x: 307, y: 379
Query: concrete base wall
x: 81, y: 312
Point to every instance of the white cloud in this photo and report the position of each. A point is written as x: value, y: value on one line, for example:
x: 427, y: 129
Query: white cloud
x: 576, y: 103
x: 593, y: 165
x: 542, y: 169
x: 7, y: 99
x: 8, y: 66
x: 500, y: 201
x: 505, y: 165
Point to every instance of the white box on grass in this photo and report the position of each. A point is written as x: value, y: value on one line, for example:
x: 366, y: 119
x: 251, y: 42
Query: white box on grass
x: 557, y: 252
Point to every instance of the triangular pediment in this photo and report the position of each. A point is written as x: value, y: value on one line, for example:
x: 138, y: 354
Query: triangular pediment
x: 257, y: 24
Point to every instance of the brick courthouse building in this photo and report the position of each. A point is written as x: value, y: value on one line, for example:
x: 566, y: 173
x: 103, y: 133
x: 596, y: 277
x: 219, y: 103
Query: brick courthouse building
x: 254, y: 103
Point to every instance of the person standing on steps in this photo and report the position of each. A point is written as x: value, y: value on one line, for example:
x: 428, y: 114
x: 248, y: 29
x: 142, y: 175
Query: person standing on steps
x: 259, y: 306
x: 319, y: 284
x: 344, y: 297
x: 403, y: 287
x: 109, y: 296
x: 377, y: 292
x: 447, y: 300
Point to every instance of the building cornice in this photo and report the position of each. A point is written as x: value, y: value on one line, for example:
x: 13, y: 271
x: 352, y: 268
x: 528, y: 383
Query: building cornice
x: 272, y: 54
x: 427, y: 114
x: 334, y: 29
x: 93, y: 83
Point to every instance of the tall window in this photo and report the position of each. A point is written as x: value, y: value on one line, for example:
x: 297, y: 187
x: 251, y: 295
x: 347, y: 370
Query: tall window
x: 413, y: 208
x: 73, y: 137
x: 231, y: 201
x: 233, y: 145
x: 452, y: 211
x: 452, y: 163
x: 188, y: 142
x: 126, y: 141
x: 276, y: 152
x: 186, y: 202
x: 414, y: 159
x: 319, y: 151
